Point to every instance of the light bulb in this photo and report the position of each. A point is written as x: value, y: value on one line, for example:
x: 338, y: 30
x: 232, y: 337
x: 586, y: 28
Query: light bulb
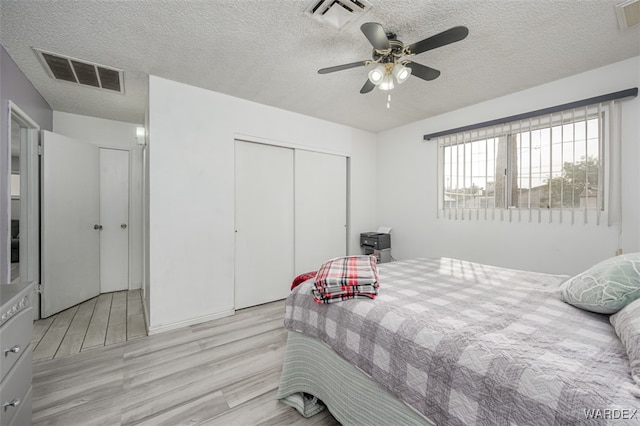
x: 387, y: 83
x: 401, y: 73
x: 377, y: 74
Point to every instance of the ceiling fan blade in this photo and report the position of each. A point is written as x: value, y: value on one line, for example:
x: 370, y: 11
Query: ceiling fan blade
x: 368, y: 86
x: 342, y: 67
x: 376, y: 35
x: 422, y: 71
x: 446, y: 37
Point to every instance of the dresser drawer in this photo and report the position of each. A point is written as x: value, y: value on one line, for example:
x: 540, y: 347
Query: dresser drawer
x: 24, y: 411
x: 15, y: 336
x: 15, y: 388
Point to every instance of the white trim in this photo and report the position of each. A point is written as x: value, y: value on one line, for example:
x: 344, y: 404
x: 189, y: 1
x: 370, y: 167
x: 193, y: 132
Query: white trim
x: 145, y: 312
x: 29, y: 199
x: 285, y: 144
x: 180, y: 324
x: 24, y: 117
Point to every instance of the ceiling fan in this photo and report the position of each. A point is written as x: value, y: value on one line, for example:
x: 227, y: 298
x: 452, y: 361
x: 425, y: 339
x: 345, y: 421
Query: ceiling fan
x: 394, y: 59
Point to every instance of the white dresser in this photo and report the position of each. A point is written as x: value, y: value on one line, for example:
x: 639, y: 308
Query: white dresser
x: 16, y: 330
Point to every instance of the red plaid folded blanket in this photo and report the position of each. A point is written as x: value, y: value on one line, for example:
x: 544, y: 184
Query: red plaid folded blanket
x: 302, y: 278
x: 346, y: 278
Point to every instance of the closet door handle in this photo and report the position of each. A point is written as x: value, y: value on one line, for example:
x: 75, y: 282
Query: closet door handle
x: 98, y: 227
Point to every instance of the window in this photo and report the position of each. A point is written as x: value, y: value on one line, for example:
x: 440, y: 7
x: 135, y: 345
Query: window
x: 551, y: 162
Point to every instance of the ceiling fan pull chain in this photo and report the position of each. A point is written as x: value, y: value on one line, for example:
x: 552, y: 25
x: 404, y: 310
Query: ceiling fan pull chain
x: 389, y: 101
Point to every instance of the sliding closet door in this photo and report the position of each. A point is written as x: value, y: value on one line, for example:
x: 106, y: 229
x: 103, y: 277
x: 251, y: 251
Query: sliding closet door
x: 264, y: 223
x: 321, y: 209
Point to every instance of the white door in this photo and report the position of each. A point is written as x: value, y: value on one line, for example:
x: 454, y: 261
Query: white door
x: 69, y: 217
x: 114, y: 218
x: 320, y: 209
x: 264, y: 223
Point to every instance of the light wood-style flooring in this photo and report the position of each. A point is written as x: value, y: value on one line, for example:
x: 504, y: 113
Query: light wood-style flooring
x: 223, y: 372
x: 102, y: 321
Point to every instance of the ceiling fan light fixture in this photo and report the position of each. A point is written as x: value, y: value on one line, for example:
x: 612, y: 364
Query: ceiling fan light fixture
x: 376, y: 75
x: 401, y: 73
x: 387, y: 82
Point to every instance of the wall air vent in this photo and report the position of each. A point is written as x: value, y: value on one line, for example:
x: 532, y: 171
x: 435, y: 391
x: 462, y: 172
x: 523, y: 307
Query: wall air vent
x: 337, y: 13
x: 82, y: 72
x: 628, y: 13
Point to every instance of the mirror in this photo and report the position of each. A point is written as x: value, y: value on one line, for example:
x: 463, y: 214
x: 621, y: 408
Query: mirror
x: 15, y: 200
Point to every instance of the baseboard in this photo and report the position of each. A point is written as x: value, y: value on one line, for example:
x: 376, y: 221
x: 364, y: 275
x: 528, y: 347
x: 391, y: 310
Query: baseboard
x: 175, y: 325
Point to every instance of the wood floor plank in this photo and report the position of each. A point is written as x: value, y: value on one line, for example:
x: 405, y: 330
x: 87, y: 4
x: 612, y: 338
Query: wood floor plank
x: 191, y: 412
x: 97, y: 331
x: 134, y: 307
x: 220, y: 359
x: 135, y: 326
x: 116, y: 333
x: 80, y: 322
x: 49, y: 344
x: 117, y: 315
x: 71, y: 344
x: 119, y: 299
x: 255, y: 411
x: 40, y: 327
x: 100, y: 405
x: 250, y: 387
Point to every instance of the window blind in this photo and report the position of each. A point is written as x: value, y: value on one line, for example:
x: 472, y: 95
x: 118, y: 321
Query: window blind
x: 546, y: 167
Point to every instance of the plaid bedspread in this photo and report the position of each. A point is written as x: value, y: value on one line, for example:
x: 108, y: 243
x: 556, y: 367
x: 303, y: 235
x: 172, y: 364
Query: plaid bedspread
x: 464, y: 343
x: 344, y: 278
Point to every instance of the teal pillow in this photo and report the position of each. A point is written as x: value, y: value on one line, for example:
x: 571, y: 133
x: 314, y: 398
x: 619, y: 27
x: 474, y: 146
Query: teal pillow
x: 607, y: 286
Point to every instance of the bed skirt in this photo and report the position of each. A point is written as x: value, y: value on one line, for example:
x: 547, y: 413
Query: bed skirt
x: 312, y: 368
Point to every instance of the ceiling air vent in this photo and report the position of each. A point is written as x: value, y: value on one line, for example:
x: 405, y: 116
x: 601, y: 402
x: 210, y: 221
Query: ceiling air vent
x: 628, y: 13
x: 81, y: 72
x: 337, y: 13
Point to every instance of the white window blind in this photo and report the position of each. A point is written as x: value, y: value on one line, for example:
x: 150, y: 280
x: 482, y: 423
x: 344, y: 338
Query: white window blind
x: 551, y: 167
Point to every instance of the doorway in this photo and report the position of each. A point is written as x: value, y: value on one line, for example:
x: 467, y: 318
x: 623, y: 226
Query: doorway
x: 114, y: 220
x: 85, y: 232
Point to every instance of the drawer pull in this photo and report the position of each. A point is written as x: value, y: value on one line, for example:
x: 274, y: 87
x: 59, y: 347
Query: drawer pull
x: 14, y: 403
x: 13, y: 350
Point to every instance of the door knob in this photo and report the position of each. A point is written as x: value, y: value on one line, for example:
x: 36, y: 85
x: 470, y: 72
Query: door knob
x: 123, y: 226
x: 96, y: 226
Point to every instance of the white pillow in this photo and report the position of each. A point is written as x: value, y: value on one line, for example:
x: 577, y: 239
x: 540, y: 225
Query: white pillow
x: 627, y: 326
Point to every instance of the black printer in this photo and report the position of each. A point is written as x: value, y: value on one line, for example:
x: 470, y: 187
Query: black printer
x: 375, y: 240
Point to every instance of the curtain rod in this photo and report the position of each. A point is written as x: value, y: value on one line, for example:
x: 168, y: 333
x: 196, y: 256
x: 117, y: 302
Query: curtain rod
x: 597, y: 99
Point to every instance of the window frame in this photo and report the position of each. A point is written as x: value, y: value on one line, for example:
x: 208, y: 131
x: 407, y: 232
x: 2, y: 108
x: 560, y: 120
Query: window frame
x: 510, y: 129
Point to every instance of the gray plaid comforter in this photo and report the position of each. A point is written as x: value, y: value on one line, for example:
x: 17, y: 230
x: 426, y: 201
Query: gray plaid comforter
x: 465, y: 343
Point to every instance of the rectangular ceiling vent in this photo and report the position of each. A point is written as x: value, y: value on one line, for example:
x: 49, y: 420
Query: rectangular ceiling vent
x: 82, y: 72
x: 628, y: 13
x: 337, y: 13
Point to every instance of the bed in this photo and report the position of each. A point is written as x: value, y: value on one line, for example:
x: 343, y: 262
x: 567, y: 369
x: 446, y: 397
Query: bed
x: 451, y: 342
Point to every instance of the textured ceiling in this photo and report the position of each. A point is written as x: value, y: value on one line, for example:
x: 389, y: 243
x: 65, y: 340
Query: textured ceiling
x: 268, y: 51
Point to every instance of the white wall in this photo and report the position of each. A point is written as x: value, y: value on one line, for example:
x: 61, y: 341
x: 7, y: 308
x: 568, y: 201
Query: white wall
x: 407, y: 186
x: 191, y: 191
x: 114, y: 134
